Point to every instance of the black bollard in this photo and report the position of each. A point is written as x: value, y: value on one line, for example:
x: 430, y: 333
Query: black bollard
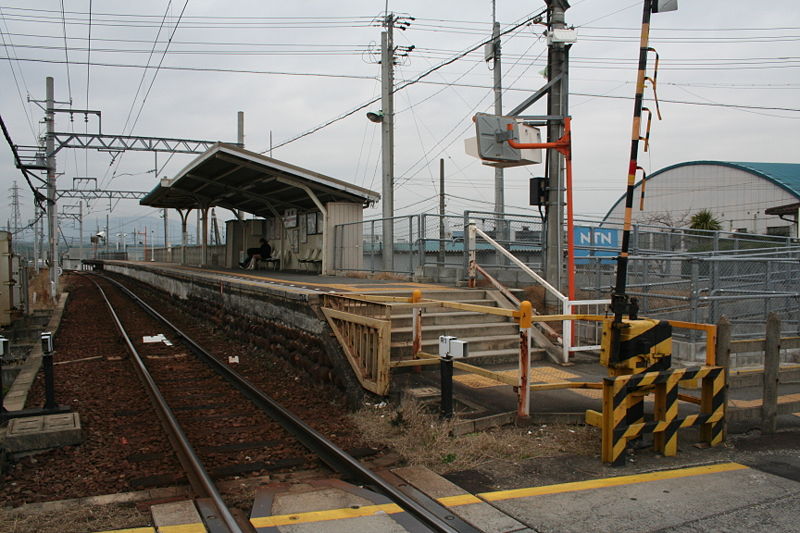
x: 446, y: 373
x: 47, y: 361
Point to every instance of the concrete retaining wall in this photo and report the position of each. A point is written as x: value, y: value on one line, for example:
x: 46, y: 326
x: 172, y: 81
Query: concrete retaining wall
x: 286, y: 324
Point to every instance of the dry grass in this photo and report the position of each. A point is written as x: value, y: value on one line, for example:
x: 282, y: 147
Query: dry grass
x: 82, y: 519
x: 422, y: 439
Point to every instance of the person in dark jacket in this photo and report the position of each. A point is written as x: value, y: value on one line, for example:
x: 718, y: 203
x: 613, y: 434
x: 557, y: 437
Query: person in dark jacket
x: 264, y: 251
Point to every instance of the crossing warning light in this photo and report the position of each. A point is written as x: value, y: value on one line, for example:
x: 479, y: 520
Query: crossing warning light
x: 491, y: 141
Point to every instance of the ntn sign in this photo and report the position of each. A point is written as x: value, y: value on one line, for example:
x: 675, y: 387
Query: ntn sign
x: 599, y: 237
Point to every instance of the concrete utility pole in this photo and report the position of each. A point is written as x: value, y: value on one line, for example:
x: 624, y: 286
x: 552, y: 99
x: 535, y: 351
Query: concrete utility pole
x: 80, y: 230
x: 557, y: 108
x: 387, y: 139
x: 442, y: 257
x: 52, y: 221
x: 499, y: 191
x: 240, y: 129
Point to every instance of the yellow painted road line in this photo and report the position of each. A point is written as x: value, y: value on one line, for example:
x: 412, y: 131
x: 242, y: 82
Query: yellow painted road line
x: 783, y: 366
x: 183, y: 528
x: 132, y: 530
x: 539, y: 374
x: 350, y: 287
x: 467, y: 499
x: 323, y: 516
x: 609, y: 482
x: 785, y: 398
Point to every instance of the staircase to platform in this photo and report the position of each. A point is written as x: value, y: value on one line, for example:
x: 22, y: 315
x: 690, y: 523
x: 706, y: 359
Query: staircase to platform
x: 492, y: 338
x: 376, y: 334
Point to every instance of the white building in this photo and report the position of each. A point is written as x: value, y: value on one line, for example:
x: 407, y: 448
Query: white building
x: 737, y: 194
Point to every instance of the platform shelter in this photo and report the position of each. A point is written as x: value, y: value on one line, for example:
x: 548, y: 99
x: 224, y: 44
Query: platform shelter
x: 295, y: 209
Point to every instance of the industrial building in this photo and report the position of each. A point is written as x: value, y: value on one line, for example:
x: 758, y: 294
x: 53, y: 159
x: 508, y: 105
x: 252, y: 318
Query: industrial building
x: 737, y: 194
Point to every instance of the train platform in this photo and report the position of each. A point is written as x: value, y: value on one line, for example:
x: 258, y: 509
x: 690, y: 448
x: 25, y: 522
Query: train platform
x: 289, y: 282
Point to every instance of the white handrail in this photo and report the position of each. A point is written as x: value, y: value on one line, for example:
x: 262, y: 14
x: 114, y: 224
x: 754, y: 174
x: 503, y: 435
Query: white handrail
x: 566, y: 304
x: 525, y: 268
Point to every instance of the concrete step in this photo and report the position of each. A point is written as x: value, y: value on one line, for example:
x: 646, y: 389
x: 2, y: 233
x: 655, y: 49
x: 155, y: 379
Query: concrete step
x: 460, y: 330
x: 489, y: 343
x: 488, y: 302
x: 443, y: 318
x: 488, y: 358
x: 456, y: 295
x: 497, y: 358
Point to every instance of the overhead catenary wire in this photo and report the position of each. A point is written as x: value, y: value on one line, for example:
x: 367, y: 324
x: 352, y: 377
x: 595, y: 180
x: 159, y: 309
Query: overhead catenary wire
x: 136, y: 95
x: 27, y: 174
x: 158, y: 67
x: 88, y: 83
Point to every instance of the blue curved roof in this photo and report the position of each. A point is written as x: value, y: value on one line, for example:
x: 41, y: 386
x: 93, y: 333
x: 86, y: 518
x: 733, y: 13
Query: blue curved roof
x: 784, y: 175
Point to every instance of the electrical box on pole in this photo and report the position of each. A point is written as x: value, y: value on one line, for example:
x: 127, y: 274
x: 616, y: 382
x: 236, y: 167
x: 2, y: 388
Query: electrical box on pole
x: 538, y: 191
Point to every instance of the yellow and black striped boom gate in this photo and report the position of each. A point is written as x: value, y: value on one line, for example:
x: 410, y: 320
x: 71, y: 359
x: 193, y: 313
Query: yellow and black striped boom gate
x: 623, y: 419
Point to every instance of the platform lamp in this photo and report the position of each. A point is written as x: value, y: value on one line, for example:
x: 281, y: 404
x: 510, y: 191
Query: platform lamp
x: 375, y: 117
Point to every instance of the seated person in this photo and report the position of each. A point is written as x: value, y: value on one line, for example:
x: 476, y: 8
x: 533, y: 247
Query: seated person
x: 262, y: 252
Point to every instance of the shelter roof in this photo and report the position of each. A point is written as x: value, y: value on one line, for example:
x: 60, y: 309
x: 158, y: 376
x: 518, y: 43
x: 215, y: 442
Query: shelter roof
x: 234, y: 178
x: 783, y: 210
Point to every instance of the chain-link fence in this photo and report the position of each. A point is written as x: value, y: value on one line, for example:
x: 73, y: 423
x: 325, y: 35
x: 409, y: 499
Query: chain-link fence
x: 432, y: 246
x: 647, y: 239
x: 675, y: 273
x: 703, y: 288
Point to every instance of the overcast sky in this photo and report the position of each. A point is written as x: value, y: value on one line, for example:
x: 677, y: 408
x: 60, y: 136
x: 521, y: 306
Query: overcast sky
x: 728, y: 84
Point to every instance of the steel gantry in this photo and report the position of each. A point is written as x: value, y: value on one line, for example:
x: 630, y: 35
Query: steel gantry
x: 44, y: 158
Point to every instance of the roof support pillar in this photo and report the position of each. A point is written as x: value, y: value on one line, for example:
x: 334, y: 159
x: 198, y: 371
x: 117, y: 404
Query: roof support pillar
x: 184, y: 214
x: 322, y: 209
x: 204, y: 240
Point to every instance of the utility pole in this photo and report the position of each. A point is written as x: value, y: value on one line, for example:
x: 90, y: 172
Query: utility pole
x: 387, y: 139
x: 35, y: 223
x: 442, y: 257
x: 557, y: 75
x: 52, y: 221
x: 240, y: 129
x: 166, y: 234
x: 499, y: 190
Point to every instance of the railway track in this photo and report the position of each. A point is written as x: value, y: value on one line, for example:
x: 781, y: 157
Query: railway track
x: 189, y: 386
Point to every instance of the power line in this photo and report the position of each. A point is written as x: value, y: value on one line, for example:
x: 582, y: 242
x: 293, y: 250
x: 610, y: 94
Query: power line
x: 66, y: 53
x: 14, y: 75
x: 415, y: 80
x: 408, y: 83
x: 27, y: 174
x: 147, y: 65
x: 206, y: 69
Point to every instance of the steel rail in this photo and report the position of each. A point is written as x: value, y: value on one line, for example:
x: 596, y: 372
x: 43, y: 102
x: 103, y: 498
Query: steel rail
x: 434, y: 516
x: 199, y: 478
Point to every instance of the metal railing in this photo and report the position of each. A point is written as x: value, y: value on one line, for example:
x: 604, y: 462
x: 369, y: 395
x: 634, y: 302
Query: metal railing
x: 703, y: 288
x: 568, y: 342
